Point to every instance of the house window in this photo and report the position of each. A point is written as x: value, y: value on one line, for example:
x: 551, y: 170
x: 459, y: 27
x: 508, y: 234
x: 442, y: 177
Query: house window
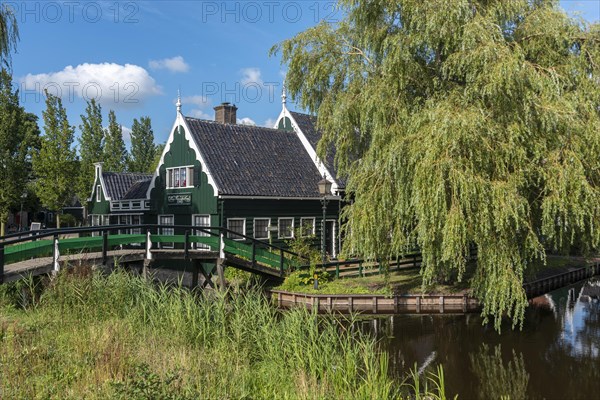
x: 180, y: 177
x: 98, y: 194
x: 201, y: 221
x: 166, y: 220
x: 286, y: 228
x: 261, y: 228
x: 237, y: 225
x: 136, y: 220
x: 307, y: 226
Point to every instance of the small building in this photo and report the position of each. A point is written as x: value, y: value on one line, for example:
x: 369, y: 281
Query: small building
x: 256, y: 181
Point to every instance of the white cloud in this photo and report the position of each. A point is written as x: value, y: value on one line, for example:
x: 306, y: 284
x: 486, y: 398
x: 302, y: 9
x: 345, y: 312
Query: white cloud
x: 175, y: 64
x: 109, y: 83
x: 197, y: 113
x: 200, y: 101
x: 269, y: 123
x: 126, y: 133
x: 251, y: 76
x: 199, y: 104
x: 246, y: 121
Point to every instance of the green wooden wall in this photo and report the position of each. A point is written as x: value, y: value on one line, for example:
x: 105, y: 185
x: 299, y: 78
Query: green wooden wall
x: 274, y: 209
x: 203, y: 200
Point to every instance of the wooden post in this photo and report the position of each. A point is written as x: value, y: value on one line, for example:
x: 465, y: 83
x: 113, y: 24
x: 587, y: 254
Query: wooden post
x: 145, y: 273
x: 395, y: 304
x: 221, y: 273
x: 105, y: 248
x: 418, y: 304
x: 148, y: 255
x: 279, y: 299
x: 350, y: 304
x: 441, y: 304
x: 1, y: 263
x: 55, y: 255
x: 329, y: 304
x: 294, y: 299
x: 186, y: 246
x: 195, y: 272
x: 254, y: 254
x: 281, y: 272
x: 464, y: 304
x: 374, y: 305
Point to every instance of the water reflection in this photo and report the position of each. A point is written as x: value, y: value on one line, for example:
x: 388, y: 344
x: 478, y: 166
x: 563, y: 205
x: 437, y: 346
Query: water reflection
x: 556, y: 356
x: 498, y: 379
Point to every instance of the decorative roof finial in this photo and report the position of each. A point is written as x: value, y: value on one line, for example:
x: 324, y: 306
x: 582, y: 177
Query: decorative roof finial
x: 283, y: 96
x: 178, y: 101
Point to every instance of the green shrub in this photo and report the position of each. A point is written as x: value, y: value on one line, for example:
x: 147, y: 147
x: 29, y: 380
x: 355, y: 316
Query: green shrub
x: 301, y: 279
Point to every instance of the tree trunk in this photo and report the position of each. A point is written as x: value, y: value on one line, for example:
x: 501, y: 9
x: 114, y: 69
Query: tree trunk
x: 57, y: 220
x: 2, y: 228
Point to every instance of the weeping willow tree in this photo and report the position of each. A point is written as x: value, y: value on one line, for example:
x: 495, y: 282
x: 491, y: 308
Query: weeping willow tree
x: 459, y: 123
x: 9, y: 34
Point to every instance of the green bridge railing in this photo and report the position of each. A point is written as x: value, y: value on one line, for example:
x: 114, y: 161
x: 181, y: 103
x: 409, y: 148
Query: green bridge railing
x: 52, y: 243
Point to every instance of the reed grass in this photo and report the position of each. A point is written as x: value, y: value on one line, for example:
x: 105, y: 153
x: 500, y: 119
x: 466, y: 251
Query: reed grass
x: 84, y: 335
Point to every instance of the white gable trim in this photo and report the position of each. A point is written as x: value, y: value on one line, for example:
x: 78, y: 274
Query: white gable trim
x: 180, y: 121
x: 98, y: 178
x: 323, y: 171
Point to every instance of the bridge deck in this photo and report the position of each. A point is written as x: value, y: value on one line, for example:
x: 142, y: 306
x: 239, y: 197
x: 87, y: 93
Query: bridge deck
x: 44, y: 265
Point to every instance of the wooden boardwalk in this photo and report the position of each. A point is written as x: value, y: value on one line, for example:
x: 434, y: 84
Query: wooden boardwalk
x: 379, y: 304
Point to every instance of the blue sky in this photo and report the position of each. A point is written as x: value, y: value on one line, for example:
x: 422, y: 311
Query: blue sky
x: 135, y: 55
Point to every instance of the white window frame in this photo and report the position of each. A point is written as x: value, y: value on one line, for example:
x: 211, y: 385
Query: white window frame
x: 189, y: 177
x: 98, y: 194
x: 279, y: 228
x: 96, y: 220
x: 314, y: 225
x: 166, y: 245
x: 200, y: 246
x: 243, y: 228
x: 334, y: 237
x: 136, y: 231
x: 268, y: 225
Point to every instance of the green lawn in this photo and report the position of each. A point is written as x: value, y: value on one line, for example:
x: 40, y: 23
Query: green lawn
x: 408, y: 281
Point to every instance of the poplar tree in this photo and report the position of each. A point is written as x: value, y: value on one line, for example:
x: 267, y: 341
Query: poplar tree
x: 16, y: 141
x: 55, y: 166
x: 143, y: 150
x: 459, y: 123
x: 115, y: 153
x: 90, y: 148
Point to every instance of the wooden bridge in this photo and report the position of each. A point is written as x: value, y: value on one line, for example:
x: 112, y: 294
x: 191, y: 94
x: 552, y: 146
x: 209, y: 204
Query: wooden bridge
x: 208, y: 249
x: 41, y: 252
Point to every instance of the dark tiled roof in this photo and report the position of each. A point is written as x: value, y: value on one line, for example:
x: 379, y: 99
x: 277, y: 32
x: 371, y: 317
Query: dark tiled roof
x: 255, y: 161
x: 123, y: 185
x: 308, y: 126
x: 137, y: 190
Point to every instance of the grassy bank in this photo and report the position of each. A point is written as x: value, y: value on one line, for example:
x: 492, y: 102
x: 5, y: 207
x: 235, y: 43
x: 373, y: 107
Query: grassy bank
x: 409, y: 281
x: 93, y: 337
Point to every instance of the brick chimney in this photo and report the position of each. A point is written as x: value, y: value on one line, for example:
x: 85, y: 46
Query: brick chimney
x: 225, y: 113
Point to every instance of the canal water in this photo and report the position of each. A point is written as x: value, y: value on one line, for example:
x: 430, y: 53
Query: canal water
x: 555, y: 356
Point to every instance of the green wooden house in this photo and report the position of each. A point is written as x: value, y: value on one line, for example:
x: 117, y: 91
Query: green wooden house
x: 256, y: 181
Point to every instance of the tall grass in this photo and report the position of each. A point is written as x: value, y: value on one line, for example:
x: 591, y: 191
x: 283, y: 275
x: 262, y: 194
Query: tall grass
x: 119, y: 336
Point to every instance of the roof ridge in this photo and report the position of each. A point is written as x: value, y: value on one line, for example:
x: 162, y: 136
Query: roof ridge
x: 238, y: 125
